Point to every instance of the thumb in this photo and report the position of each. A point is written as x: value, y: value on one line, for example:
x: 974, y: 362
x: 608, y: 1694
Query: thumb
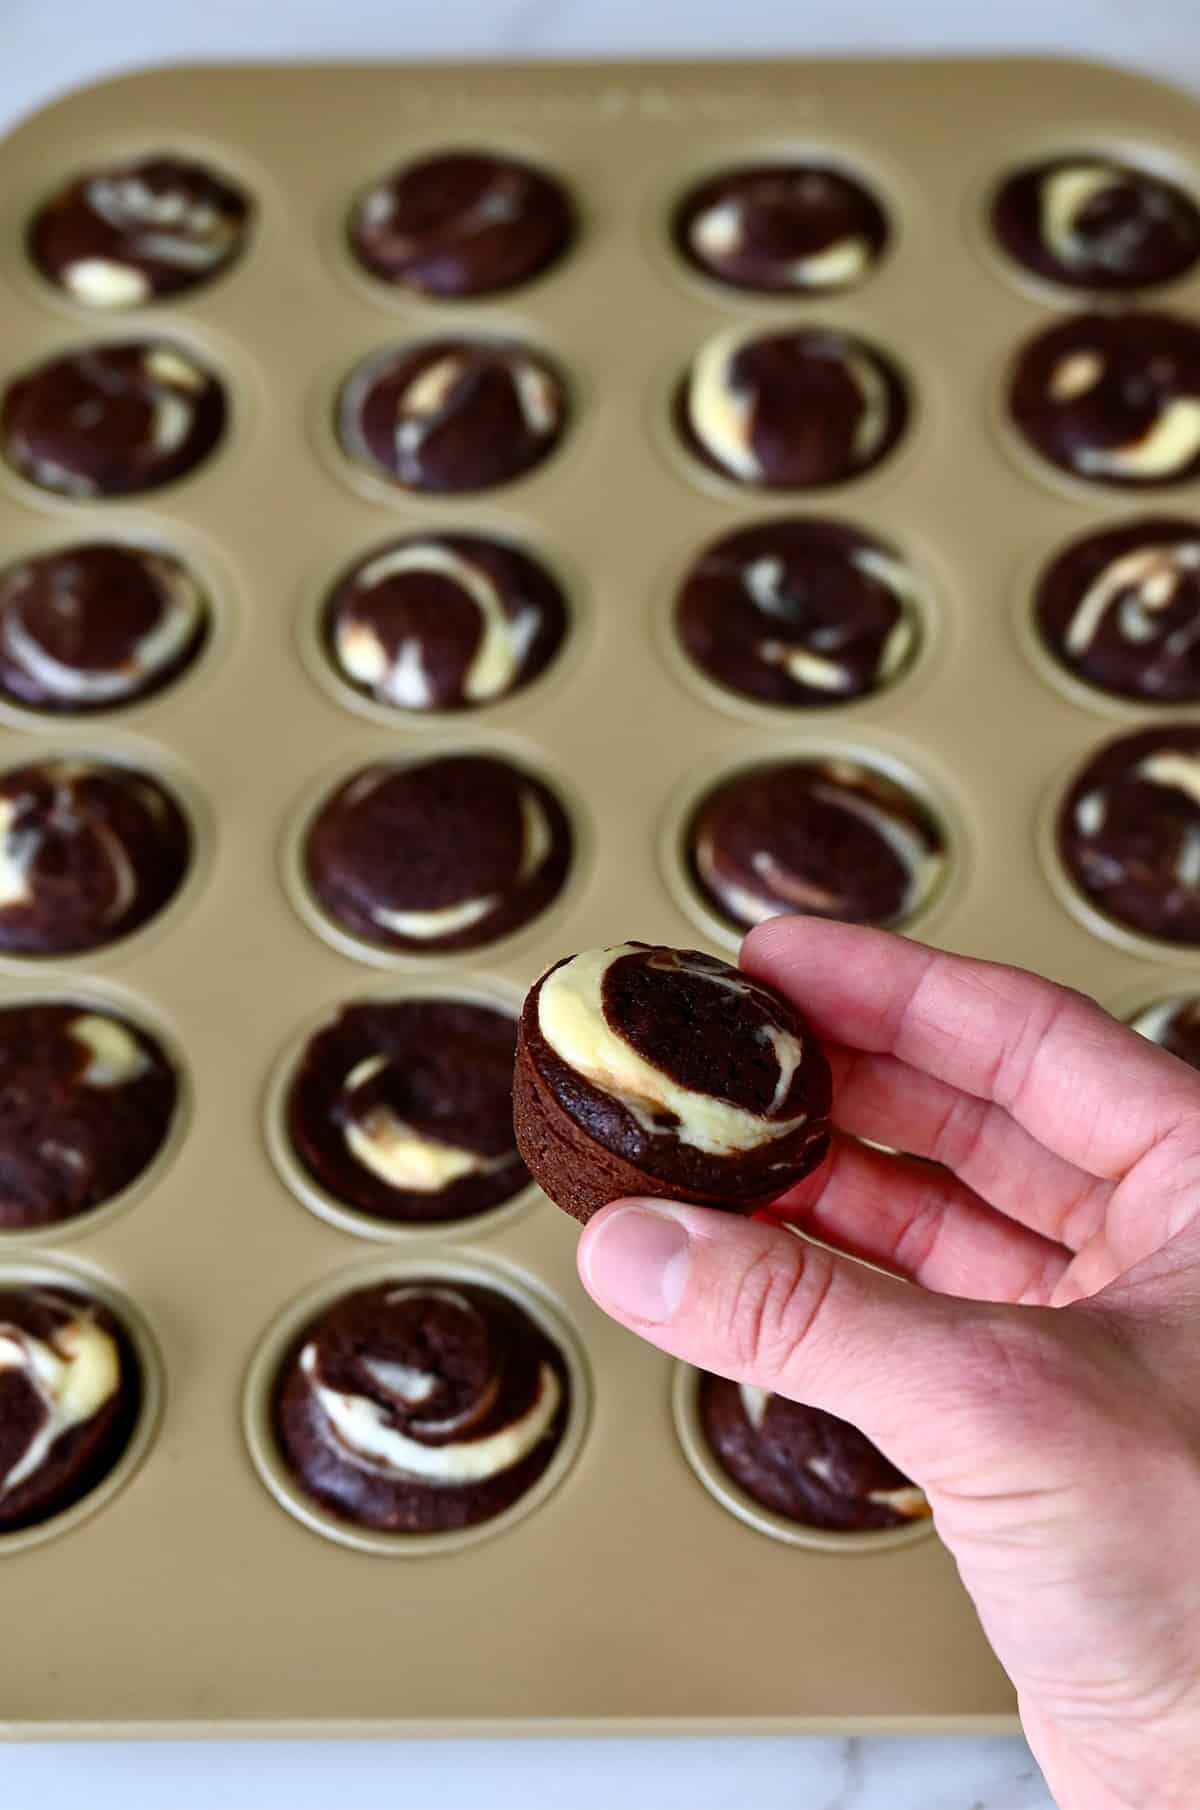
x: 755, y: 1302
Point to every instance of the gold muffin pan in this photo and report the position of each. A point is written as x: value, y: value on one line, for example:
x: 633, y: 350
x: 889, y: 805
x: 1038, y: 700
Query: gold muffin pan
x: 625, y: 1591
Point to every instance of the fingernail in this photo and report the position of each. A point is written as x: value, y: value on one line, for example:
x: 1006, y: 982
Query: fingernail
x: 637, y: 1264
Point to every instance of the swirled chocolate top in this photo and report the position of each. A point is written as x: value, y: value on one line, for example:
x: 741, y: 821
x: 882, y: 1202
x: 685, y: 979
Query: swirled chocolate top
x: 420, y: 1406
x: 1129, y: 832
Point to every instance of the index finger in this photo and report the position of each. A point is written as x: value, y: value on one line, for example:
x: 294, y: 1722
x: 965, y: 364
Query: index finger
x: 1083, y: 1085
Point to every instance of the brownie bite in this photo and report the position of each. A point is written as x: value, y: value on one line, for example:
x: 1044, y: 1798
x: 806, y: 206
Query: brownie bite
x: 444, y: 622
x: 112, y: 420
x: 792, y: 228
x: 1120, y: 609
x: 1128, y: 832
x: 1174, y: 1024
x: 793, y: 410
x: 462, y: 223
x: 801, y: 611
x: 96, y: 627
x: 440, y: 854
x: 452, y: 416
x: 137, y: 232
x: 831, y: 838
x: 1113, y: 398
x: 801, y: 1463
x: 86, y: 1102
x: 70, y: 1393
x: 420, y: 1407
x: 402, y: 1109
x: 665, y: 1072
x: 88, y: 853
x: 1098, y: 223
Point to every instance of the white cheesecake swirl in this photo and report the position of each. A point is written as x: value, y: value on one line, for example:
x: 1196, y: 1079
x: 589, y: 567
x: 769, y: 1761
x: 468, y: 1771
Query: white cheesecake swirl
x: 73, y: 1372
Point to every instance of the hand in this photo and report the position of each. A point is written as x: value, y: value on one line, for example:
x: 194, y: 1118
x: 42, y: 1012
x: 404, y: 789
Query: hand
x: 1042, y: 1381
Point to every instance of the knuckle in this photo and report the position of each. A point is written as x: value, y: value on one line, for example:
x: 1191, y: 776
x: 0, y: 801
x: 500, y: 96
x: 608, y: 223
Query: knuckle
x: 772, y: 1306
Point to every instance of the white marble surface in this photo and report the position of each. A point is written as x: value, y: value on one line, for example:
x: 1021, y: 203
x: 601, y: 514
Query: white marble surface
x: 49, y: 45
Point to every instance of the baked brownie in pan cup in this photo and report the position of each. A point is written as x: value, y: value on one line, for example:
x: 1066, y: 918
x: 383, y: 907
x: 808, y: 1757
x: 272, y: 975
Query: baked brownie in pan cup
x: 98, y: 625
x: 546, y: 829
x: 192, y: 387
x: 1103, y: 404
x: 123, y: 234
x: 886, y: 202
x: 792, y: 226
x: 871, y: 406
x: 95, y: 1104
x: 379, y: 1152
x: 1097, y: 216
x: 686, y: 1383
x: 785, y: 616
x: 1116, y: 604
x: 111, y: 152
x: 70, y: 1289
x: 559, y: 1411
x: 1124, y: 810
x: 452, y: 412
x: 930, y: 838
x: 111, y: 815
x: 458, y: 220
x: 450, y: 621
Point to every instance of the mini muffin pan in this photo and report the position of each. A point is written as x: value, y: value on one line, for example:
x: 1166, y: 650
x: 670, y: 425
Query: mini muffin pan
x: 632, y: 1590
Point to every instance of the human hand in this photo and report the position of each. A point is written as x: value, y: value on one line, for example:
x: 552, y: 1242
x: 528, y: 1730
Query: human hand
x: 1042, y: 1383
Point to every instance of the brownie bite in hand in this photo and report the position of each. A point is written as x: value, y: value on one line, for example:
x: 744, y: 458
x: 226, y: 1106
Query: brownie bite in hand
x: 801, y: 1463
x: 665, y: 1072
x: 419, y: 1407
x: 70, y: 1391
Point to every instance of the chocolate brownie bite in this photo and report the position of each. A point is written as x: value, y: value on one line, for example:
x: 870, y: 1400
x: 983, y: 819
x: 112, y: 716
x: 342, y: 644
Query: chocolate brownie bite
x: 70, y: 1393
x: 800, y: 612
x: 402, y: 1109
x: 801, y: 1463
x: 1128, y: 832
x: 462, y: 223
x: 793, y: 410
x: 793, y: 228
x: 440, y: 854
x: 665, y: 1072
x: 444, y: 622
x: 1120, y: 609
x: 1113, y: 398
x: 829, y: 838
x: 96, y: 627
x: 1174, y: 1024
x: 452, y: 416
x: 86, y: 1102
x: 112, y: 420
x: 420, y: 1407
x: 1093, y: 222
x: 137, y: 232
x: 88, y: 853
